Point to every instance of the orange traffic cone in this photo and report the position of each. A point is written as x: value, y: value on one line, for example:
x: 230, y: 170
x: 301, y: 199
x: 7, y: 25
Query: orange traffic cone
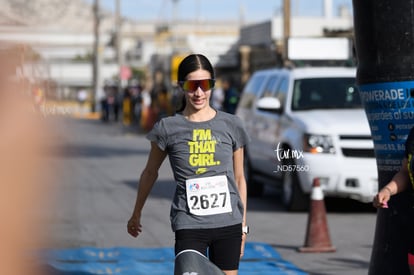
x: 317, y: 235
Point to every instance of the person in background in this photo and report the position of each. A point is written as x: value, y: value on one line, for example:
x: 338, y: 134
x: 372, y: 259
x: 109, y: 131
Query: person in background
x: 231, y: 96
x: 217, y: 97
x: 401, y: 181
x: 145, y: 118
x: 104, y: 104
x: 136, y: 100
x: 82, y: 96
x: 205, y: 148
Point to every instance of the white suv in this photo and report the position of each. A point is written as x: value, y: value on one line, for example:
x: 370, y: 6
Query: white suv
x: 307, y: 123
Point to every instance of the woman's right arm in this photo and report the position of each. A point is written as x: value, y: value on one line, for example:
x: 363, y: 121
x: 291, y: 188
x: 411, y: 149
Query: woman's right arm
x: 148, y: 177
x: 399, y: 183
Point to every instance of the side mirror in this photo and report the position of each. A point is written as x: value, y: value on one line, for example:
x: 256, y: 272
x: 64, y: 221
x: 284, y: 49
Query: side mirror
x: 269, y: 104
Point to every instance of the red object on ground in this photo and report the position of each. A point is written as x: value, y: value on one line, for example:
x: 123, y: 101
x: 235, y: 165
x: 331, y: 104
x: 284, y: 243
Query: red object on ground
x: 410, y: 259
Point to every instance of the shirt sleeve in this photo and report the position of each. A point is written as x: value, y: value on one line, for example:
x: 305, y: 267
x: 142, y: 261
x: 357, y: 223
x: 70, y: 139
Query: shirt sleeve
x: 157, y: 135
x: 241, y: 135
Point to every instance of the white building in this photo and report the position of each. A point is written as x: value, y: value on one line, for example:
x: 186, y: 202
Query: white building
x: 61, y: 32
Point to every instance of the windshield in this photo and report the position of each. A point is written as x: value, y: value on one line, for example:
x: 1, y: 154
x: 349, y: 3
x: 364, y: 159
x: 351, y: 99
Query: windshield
x: 325, y: 93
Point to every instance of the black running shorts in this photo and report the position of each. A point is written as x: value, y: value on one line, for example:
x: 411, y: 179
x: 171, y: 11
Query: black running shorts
x: 221, y: 245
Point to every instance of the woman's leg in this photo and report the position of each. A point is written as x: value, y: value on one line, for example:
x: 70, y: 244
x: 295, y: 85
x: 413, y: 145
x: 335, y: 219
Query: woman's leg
x: 224, y: 251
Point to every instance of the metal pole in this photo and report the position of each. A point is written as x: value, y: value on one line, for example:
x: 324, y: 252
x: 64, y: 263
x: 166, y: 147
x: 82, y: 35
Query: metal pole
x: 118, y: 37
x: 286, y: 27
x: 383, y: 42
x: 96, y: 56
x: 174, y: 27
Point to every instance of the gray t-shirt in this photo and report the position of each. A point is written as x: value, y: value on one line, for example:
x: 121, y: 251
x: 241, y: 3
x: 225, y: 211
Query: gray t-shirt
x: 200, y: 150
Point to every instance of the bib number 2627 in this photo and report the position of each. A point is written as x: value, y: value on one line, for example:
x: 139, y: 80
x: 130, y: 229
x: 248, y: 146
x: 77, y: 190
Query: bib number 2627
x: 208, y: 196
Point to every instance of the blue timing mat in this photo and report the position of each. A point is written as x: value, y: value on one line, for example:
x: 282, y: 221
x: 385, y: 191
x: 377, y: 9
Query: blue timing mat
x: 259, y: 258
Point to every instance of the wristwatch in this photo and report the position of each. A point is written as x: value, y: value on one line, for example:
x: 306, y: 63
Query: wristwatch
x: 245, y: 229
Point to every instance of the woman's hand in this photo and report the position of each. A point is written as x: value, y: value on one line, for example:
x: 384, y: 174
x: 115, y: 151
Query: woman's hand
x: 134, y: 226
x: 244, y: 236
x: 381, y: 199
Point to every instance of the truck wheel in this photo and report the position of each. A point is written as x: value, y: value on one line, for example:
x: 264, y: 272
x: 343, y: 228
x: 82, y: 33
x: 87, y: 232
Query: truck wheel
x: 294, y: 199
x: 254, y: 188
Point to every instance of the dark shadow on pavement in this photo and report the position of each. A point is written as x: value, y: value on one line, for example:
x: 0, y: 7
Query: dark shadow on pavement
x: 92, y: 151
x: 332, y: 264
x: 329, y: 263
x: 287, y: 247
x: 350, y: 263
x: 163, y: 189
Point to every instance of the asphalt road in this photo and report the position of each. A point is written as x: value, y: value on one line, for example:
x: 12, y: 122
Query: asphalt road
x: 95, y: 167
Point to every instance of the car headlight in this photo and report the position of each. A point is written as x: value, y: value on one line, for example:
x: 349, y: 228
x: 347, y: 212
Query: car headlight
x: 318, y: 144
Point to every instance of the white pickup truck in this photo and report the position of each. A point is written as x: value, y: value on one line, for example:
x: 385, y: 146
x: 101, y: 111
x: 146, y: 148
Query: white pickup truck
x: 307, y: 124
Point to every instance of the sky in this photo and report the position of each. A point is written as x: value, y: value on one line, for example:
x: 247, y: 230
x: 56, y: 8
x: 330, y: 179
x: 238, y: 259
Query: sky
x: 254, y: 10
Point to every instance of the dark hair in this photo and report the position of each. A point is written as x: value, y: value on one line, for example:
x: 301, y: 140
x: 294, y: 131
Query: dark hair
x: 192, y: 63
x: 189, y: 64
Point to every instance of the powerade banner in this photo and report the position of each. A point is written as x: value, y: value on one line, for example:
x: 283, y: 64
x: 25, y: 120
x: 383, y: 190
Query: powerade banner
x: 390, y: 111
x: 383, y: 36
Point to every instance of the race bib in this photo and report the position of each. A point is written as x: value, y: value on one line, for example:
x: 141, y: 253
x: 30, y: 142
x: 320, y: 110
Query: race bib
x: 208, y: 196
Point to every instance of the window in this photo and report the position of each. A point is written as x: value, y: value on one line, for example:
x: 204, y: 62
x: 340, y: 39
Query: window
x: 255, y: 84
x: 251, y: 90
x: 325, y: 93
x: 270, y: 87
x: 282, y: 90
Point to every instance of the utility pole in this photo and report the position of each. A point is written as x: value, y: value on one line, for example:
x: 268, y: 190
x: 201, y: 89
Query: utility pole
x: 118, y: 37
x: 96, y: 55
x: 174, y: 26
x: 286, y: 27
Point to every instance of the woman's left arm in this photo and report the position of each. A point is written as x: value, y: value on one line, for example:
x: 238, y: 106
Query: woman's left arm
x: 238, y: 156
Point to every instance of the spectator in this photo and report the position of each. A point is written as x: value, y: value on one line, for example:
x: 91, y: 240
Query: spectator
x: 231, y: 96
x: 217, y: 98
